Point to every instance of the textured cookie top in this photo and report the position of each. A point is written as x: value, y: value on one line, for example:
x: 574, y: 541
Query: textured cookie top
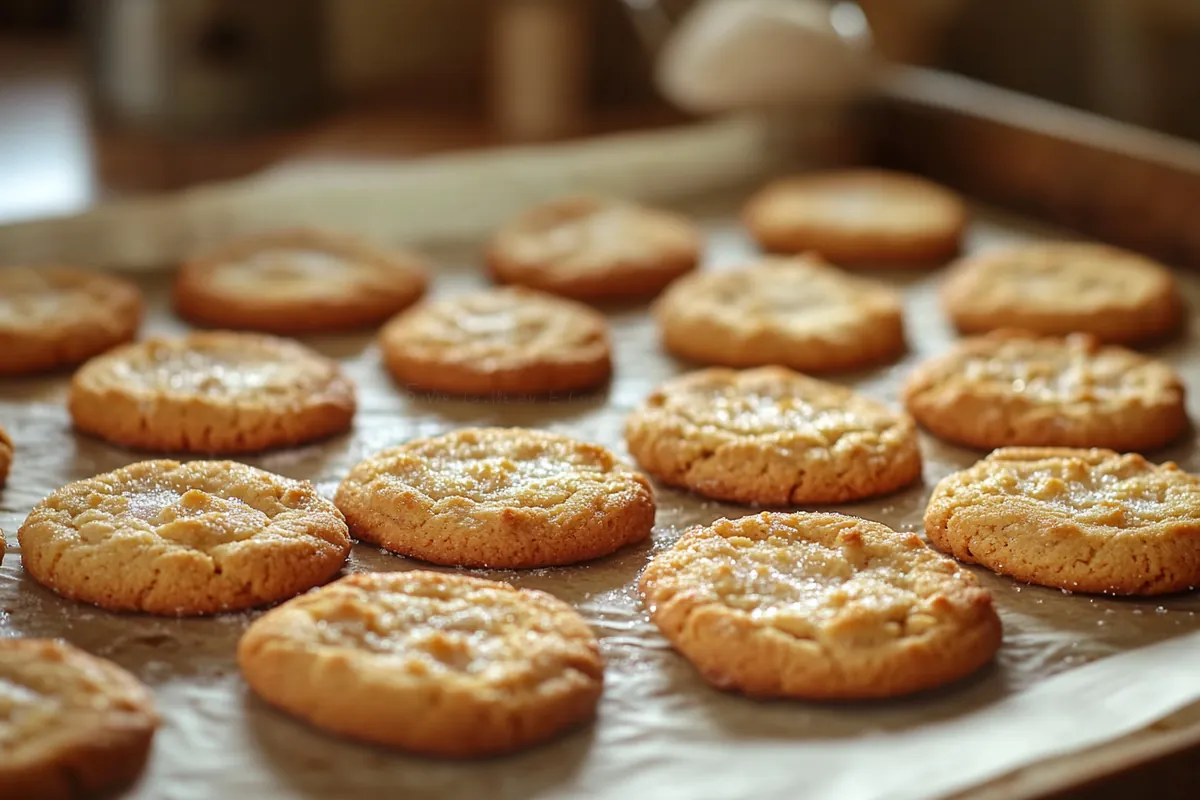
x: 475, y: 471
x: 33, y: 299
x: 191, y: 538
x: 298, y: 266
x: 774, y: 406
x: 1076, y: 374
x: 800, y: 297
x: 1057, y: 277
x: 438, y: 630
x: 579, y: 236
x: 54, y: 698
x: 837, y: 580
x: 221, y: 368
x: 206, y: 506
x: 498, y: 329
x: 1089, y: 488
x: 857, y: 201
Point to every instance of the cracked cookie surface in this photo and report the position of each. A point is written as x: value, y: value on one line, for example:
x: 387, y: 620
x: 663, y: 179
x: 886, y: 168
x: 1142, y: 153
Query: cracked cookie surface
x: 820, y: 606
x: 772, y: 437
x: 55, y: 317
x: 1060, y: 288
x: 215, y: 392
x: 1010, y: 388
x: 183, y: 539
x: 438, y: 664
x: 795, y: 312
x: 594, y: 249
x: 71, y: 724
x: 297, y: 281
x: 508, y: 341
x: 855, y: 217
x: 1081, y: 520
x: 497, y: 497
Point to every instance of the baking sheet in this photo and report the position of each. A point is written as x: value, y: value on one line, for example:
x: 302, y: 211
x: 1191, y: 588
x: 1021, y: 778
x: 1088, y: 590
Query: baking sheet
x: 1074, y: 671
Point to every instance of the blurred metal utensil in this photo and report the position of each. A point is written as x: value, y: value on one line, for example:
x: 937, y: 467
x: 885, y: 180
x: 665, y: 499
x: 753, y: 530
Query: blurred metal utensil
x: 730, y: 54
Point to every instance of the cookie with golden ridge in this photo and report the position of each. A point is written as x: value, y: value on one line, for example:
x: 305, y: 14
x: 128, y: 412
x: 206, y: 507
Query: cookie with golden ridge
x: 818, y: 606
x: 1082, y: 520
x: 72, y: 725
x: 436, y: 664
x: 506, y: 498
x: 175, y: 539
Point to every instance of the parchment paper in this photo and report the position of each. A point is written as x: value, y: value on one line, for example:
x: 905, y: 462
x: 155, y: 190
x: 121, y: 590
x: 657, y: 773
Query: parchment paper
x: 1074, y: 671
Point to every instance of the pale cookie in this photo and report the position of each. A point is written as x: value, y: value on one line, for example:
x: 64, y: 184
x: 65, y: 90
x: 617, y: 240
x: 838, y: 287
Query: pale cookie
x: 857, y: 217
x: 772, y: 437
x: 441, y: 665
x: 6, y: 456
x: 55, y: 317
x: 183, y: 539
x: 71, y: 725
x: 1015, y: 389
x: 1081, y: 520
x: 510, y: 341
x: 297, y: 281
x: 1062, y: 288
x: 215, y: 392
x: 594, y: 249
x: 818, y: 606
x: 794, y: 312
x: 505, y: 498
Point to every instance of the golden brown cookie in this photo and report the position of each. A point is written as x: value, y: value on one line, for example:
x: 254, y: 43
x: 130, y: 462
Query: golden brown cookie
x: 594, y: 249
x: 442, y: 665
x: 818, y: 606
x: 6, y: 456
x: 1081, y: 520
x: 55, y: 317
x: 1060, y: 288
x: 1012, y: 388
x: 297, y: 281
x: 793, y: 312
x: 772, y: 437
x: 216, y: 392
x: 183, y: 539
x: 860, y: 216
x: 71, y: 725
x: 507, y: 341
x: 505, y: 498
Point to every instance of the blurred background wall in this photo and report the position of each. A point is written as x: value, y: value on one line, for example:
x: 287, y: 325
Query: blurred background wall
x: 406, y: 76
x: 1134, y: 59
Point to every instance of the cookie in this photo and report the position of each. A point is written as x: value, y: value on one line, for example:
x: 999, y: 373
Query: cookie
x: 1060, y: 288
x: 858, y: 217
x: 793, y: 312
x: 183, y: 539
x: 772, y: 437
x: 594, y: 249
x: 6, y: 456
x: 1012, y: 388
x: 296, y: 282
x: 505, y: 498
x: 436, y: 664
x: 509, y: 341
x: 216, y: 392
x: 55, y: 317
x: 1081, y: 520
x: 71, y: 725
x: 818, y: 606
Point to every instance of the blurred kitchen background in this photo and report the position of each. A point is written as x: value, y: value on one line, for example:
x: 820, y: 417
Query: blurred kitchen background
x: 107, y: 96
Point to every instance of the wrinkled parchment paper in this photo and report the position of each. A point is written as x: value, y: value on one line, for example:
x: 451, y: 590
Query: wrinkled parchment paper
x: 1074, y: 671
